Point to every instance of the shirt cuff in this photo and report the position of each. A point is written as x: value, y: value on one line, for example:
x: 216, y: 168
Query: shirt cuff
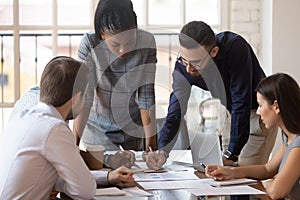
x: 59, y: 185
x: 100, y: 177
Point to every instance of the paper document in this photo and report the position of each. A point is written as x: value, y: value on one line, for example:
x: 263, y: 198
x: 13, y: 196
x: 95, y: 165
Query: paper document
x: 111, y: 191
x: 142, y: 167
x: 238, y: 181
x: 228, y: 190
x: 172, y: 185
x: 167, y: 176
x: 135, y: 191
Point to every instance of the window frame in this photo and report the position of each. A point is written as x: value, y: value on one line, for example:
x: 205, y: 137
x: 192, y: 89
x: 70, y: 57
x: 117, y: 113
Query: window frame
x: 54, y: 29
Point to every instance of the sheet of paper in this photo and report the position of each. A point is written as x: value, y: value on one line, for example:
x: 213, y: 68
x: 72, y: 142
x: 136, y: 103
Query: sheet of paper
x: 239, y: 181
x: 207, y: 189
x: 135, y: 191
x: 142, y: 167
x: 111, y: 191
x: 172, y: 185
x: 167, y: 176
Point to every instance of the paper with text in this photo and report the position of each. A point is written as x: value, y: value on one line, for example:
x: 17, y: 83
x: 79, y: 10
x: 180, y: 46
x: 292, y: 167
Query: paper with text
x: 167, y: 176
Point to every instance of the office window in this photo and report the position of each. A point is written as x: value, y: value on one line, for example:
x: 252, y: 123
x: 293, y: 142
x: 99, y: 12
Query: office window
x: 203, y: 10
x: 6, y: 10
x: 164, y: 12
x: 48, y: 28
x: 33, y: 12
x: 73, y: 12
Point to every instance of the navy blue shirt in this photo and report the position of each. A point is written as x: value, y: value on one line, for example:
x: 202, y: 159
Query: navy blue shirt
x: 231, y: 76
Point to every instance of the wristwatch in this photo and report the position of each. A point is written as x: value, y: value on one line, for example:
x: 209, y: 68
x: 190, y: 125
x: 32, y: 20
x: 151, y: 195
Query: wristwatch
x: 228, y: 155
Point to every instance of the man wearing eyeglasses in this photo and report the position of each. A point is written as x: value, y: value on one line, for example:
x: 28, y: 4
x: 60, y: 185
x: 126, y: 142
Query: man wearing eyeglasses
x: 225, y: 65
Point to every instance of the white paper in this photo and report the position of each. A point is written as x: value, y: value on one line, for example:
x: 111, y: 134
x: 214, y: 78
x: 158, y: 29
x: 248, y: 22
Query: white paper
x: 167, y: 176
x: 238, y: 181
x: 172, y: 185
x: 111, y: 191
x: 135, y: 191
x: 207, y: 189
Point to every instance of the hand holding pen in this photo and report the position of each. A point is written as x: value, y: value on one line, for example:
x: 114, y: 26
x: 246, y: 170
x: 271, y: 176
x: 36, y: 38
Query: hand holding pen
x: 218, y: 172
x: 154, y: 160
x: 121, y: 158
x: 132, y: 157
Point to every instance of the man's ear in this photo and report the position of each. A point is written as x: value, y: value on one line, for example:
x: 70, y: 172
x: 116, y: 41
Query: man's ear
x: 214, y: 51
x: 276, y: 107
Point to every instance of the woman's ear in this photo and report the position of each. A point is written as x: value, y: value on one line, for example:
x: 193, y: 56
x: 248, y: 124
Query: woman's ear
x: 214, y: 51
x: 276, y: 107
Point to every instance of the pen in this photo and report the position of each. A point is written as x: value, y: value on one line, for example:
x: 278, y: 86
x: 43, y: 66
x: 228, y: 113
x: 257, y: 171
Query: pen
x: 121, y: 148
x: 150, y: 149
x: 203, y: 165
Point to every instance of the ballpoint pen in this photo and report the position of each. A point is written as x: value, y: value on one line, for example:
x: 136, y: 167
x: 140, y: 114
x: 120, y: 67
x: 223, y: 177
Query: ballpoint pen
x: 121, y: 148
x: 150, y: 149
x: 203, y: 165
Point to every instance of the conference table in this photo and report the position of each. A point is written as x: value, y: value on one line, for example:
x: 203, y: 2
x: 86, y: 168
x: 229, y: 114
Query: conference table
x: 183, y: 156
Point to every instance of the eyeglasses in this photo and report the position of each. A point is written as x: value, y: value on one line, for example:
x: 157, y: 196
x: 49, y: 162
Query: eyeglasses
x: 198, y: 65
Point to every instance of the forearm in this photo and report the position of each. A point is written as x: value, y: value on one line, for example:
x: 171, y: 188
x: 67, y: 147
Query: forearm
x: 149, y: 124
x: 79, y: 123
x: 239, y: 131
x: 254, y: 171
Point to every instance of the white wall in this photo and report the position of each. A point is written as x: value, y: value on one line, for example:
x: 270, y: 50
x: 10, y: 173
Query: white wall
x: 245, y: 17
x: 272, y: 28
x: 266, y: 36
x: 285, y: 38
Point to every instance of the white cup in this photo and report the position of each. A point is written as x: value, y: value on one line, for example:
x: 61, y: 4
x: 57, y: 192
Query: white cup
x: 95, y: 156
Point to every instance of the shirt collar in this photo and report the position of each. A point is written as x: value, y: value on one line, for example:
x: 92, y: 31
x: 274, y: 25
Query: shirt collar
x: 49, y: 109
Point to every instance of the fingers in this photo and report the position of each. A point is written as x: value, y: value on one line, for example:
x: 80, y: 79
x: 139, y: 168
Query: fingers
x: 161, y: 160
x: 209, y: 169
x: 217, y: 172
x: 126, y: 158
x: 121, y: 175
x: 151, y: 162
x: 127, y: 184
x: 124, y: 170
x: 155, y: 160
x: 144, y: 154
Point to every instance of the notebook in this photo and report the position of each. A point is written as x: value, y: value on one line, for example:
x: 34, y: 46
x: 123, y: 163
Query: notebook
x: 206, y: 149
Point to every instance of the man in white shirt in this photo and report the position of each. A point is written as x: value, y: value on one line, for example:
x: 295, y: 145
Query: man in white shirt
x: 39, y: 150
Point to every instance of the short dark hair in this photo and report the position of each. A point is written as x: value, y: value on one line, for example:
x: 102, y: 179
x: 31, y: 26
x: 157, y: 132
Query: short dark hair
x: 114, y: 16
x: 197, y: 33
x: 285, y: 90
x: 62, y: 78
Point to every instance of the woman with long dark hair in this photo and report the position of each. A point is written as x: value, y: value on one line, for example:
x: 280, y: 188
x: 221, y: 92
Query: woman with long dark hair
x: 278, y: 97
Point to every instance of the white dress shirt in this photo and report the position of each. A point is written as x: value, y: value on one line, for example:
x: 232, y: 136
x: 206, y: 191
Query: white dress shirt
x: 39, y: 153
